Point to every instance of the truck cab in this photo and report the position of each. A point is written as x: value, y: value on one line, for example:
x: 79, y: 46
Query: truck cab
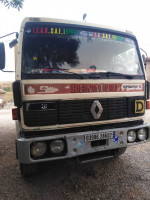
x: 80, y: 92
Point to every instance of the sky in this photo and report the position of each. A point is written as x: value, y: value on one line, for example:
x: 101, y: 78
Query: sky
x: 133, y: 15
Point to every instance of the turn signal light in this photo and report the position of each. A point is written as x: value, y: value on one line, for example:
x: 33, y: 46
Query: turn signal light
x: 15, y: 115
x: 148, y: 104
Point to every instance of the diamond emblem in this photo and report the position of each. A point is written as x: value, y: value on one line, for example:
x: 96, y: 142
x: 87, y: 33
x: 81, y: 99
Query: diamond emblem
x: 96, y: 109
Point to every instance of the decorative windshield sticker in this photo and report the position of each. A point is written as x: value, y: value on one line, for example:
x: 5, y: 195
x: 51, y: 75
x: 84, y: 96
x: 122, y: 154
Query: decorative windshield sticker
x: 30, y: 89
x: 80, y: 33
x: 51, y: 31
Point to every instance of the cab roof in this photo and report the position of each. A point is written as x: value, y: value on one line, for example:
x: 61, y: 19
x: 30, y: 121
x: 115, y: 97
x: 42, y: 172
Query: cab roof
x: 81, y: 23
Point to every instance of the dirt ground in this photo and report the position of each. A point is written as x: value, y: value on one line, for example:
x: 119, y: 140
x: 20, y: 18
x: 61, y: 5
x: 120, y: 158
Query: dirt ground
x: 124, y: 178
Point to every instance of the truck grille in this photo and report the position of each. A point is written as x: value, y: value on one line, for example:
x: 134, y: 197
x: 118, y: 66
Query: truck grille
x: 77, y: 111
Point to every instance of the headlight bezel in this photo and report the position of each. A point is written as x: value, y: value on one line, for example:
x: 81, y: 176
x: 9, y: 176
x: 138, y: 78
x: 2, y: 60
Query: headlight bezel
x: 131, y: 132
x: 60, y: 143
x: 139, y: 132
x: 42, y: 147
x: 47, y: 154
x: 138, y: 138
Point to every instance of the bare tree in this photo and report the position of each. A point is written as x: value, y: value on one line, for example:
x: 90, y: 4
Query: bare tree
x: 13, y: 3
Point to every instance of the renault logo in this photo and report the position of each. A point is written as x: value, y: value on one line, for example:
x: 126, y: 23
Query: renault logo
x: 96, y: 109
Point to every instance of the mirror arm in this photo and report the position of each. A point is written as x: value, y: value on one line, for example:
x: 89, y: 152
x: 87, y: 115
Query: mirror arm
x: 144, y: 52
x: 10, y: 34
x: 7, y: 71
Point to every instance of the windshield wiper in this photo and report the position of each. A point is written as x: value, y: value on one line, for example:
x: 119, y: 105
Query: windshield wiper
x: 95, y: 75
x: 109, y: 74
x: 66, y: 70
x: 119, y: 74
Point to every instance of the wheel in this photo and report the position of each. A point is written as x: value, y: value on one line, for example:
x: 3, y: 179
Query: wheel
x: 28, y: 169
x: 121, y: 151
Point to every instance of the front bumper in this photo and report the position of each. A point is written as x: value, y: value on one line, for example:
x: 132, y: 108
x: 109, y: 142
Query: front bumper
x: 76, y: 144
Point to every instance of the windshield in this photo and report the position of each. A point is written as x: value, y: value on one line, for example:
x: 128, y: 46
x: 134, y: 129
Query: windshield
x: 60, y: 50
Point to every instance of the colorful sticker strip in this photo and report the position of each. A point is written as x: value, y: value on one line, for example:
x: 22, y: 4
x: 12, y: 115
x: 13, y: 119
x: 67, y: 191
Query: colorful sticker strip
x: 74, y: 32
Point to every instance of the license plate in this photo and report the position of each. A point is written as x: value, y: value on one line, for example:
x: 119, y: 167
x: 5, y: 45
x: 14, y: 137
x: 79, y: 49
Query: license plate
x: 99, y: 136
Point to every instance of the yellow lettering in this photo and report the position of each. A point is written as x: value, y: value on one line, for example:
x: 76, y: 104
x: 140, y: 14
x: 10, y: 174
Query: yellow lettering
x: 55, y: 30
x: 103, y: 35
x: 35, y: 58
x: 52, y: 31
x: 139, y: 106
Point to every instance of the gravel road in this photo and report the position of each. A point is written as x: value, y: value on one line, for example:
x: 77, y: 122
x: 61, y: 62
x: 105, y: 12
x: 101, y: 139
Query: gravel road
x: 124, y: 178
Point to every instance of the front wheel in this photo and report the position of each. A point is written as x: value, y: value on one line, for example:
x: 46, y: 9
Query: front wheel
x: 28, y: 169
x: 121, y: 151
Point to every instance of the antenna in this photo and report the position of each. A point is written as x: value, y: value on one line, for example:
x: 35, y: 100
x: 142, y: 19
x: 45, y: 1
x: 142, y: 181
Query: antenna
x: 84, y: 16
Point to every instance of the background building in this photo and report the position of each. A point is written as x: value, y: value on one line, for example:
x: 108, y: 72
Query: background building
x: 2, y: 97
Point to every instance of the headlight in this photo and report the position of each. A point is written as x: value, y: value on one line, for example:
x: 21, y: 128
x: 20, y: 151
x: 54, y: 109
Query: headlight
x: 38, y: 149
x: 142, y: 134
x: 131, y: 136
x: 57, y: 146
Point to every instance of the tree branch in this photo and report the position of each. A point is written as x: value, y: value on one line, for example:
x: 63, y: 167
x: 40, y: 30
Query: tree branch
x: 13, y: 3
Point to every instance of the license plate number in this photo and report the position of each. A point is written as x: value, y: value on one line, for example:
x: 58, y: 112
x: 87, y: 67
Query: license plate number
x: 99, y: 136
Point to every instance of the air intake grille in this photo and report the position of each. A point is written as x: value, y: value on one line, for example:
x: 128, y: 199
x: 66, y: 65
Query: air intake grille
x: 76, y: 111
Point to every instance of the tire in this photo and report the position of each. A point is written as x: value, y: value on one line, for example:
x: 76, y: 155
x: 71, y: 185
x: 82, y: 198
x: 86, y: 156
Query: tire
x: 28, y: 169
x: 121, y: 151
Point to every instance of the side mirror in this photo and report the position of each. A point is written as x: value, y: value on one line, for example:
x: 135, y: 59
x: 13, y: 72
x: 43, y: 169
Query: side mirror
x: 2, y: 56
x: 13, y: 43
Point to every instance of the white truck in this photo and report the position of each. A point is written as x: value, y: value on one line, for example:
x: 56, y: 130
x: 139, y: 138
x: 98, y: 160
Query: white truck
x: 80, y: 91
